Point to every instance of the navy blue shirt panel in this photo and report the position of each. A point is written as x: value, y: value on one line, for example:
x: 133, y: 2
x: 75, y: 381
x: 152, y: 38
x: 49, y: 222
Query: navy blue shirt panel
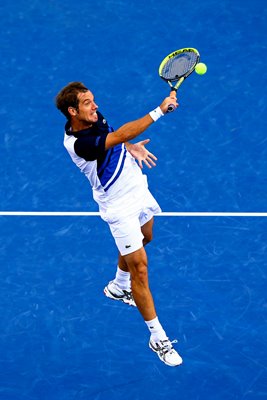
x: 90, y: 143
x: 90, y: 147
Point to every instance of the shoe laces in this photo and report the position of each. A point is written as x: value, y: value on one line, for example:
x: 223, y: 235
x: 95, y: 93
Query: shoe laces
x: 128, y: 294
x: 166, y: 346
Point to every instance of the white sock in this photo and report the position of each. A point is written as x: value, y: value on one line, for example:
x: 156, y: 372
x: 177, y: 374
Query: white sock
x: 122, y: 279
x: 156, y: 330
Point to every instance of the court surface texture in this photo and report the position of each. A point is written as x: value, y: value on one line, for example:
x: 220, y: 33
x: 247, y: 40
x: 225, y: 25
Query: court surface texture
x: 60, y: 337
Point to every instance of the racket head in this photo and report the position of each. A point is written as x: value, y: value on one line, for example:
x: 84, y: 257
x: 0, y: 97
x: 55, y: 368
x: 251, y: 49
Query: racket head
x: 179, y: 64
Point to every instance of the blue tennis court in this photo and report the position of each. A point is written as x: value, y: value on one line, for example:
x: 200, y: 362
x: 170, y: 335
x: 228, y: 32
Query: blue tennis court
x: 61, y: 338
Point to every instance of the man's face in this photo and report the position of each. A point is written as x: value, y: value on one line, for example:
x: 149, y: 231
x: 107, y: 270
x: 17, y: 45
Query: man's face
x: 86, y: 113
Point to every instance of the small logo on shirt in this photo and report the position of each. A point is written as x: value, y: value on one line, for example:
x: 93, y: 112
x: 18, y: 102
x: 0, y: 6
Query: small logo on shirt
x: 104, y: 121
x: 127, y: 246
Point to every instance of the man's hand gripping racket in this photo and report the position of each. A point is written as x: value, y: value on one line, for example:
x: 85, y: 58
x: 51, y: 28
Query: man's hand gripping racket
x: 176, y: 67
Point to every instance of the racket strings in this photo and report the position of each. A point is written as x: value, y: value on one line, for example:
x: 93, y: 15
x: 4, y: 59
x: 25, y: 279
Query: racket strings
x: 179, y: 66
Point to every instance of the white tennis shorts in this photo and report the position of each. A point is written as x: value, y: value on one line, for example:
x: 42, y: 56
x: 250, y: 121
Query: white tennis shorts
x: 125, y: 223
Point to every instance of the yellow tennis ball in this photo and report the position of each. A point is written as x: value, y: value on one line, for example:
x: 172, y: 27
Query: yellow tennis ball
x: 201, y: 68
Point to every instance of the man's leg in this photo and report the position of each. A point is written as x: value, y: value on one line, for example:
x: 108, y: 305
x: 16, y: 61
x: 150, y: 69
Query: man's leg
x: 147, y: 231
x: 159, y: 342
x: 120, y: 287
x: 137, y: 266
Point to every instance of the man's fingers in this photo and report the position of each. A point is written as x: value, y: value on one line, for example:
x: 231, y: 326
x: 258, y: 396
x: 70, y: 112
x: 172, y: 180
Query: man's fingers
x: 147, y: 164
x: 143, y: 142
x: 152, y: 156
x: 150, y: 161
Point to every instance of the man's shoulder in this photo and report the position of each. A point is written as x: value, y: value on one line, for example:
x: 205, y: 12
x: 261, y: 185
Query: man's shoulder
x: 102, y: 124
x: 69, y: 141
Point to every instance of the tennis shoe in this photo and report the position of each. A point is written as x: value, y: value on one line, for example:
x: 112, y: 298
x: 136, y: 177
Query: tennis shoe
x: 113, y: 291
x: 166, y: 352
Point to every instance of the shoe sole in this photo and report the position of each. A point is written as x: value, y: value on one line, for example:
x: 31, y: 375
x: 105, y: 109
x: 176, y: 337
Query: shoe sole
x: 108, y: 294
x: 162, y: 359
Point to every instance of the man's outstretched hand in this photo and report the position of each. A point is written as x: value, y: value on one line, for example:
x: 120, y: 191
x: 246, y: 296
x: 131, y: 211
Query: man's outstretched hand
x: 141, y: 154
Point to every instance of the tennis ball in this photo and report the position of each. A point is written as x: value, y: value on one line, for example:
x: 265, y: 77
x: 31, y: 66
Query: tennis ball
x: 201, y: 68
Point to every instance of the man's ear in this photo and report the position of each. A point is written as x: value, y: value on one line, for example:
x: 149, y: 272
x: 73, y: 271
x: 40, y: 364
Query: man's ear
x: 72, y: 111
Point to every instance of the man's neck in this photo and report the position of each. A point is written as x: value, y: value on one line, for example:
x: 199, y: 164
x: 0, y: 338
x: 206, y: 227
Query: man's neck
x: 80, y: 125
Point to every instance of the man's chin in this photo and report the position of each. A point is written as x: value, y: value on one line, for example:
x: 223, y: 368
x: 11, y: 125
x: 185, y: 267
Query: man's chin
x: 95, y: 117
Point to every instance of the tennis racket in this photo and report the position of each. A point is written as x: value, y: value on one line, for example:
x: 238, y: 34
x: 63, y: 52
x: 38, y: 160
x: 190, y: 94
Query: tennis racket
x: 176, y: 67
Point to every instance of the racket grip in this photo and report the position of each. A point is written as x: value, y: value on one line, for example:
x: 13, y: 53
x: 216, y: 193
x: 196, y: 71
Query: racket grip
x: 171, y: 107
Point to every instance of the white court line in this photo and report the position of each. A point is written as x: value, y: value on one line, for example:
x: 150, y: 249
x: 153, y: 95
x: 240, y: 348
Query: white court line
x: 96, y: 214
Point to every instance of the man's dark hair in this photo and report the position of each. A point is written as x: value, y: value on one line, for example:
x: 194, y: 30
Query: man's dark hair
x: 68, y: 97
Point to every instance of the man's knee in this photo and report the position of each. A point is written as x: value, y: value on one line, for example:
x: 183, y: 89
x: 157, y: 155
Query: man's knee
x: 147, y: 231
x: 137, y: 264
x: 148, y: 237
x: 139, y: 274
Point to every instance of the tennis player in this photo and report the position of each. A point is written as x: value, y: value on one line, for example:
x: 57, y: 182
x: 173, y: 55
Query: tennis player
x: 120, y: 188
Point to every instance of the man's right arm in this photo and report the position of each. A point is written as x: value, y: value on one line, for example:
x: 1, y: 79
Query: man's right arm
x: 132, y: 129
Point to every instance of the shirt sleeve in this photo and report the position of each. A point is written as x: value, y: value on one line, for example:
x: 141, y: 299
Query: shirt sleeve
x: 90, y: 147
